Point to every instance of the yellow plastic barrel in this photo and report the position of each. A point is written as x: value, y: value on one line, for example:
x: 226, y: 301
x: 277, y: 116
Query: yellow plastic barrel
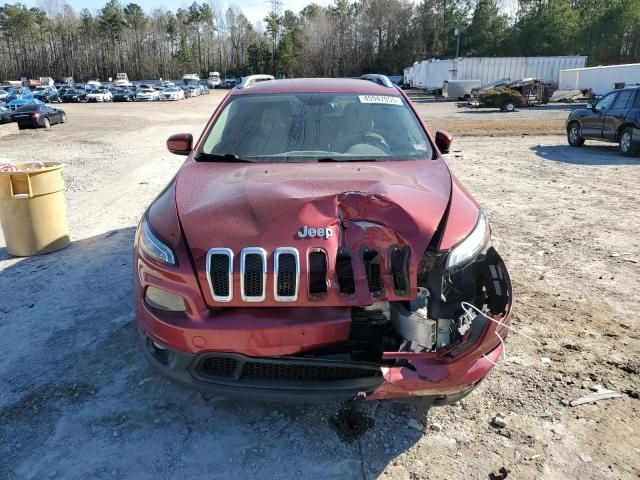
x: 32, y: 210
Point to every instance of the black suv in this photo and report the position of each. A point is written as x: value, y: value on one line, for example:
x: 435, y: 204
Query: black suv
x: 614, y: 118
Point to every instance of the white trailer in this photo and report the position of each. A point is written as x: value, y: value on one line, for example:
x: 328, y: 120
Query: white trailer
x: 600, y: 79
x: 459, y: 89
x: 431, y: 74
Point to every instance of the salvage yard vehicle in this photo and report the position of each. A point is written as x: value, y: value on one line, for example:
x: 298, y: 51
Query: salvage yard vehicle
x: 38, y: 115
x: 123, y: 95
x: 172, y: 93
x: 5, y: 115
x: 14, y: 105
x: 47, y: 95
x: 99, y: 95
x: 74, y: 95
x: 315, y: 246
x: 614, y: 118
x: 147, y: 95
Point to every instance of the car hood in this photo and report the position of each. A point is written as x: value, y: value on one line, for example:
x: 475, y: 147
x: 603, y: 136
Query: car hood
x: 372, y: 205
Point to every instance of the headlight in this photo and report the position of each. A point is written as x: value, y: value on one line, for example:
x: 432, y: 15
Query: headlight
x: 471, y: 246
x: 153, y: 246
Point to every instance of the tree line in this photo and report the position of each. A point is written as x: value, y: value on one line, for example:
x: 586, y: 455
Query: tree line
x: 343, y: 39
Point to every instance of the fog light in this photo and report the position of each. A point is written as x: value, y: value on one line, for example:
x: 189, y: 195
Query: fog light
x: 159, y: 352
x: 162, y: 300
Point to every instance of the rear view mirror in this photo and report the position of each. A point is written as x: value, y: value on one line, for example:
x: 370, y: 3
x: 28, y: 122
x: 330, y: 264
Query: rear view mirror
x: 443, y: 141
x: 180, y: 143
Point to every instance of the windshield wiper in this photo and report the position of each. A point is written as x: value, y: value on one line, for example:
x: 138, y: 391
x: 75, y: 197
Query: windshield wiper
x: 216, y: 157
x: 338, y: 159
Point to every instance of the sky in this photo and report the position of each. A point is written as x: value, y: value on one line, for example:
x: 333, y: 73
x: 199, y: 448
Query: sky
x: 255, y: 10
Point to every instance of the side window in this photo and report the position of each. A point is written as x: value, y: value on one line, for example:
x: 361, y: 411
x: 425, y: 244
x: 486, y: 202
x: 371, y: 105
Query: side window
x: 606, y: 101
x: 623, y: 100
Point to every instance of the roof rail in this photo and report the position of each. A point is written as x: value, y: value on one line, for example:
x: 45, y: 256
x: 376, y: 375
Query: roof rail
x: 379, y: 79
x: 251, y: 80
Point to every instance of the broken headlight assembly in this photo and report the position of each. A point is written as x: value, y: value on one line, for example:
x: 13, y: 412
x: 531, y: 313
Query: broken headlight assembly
x: 472, y: 246
x: 472, y: 272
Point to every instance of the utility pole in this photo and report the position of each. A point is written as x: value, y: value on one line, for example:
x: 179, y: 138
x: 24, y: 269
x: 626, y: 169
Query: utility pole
x: 457, y: 34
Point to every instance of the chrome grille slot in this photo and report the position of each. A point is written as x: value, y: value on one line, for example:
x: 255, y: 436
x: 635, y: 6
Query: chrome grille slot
x: 400, y: 269
x: 220, y: 274
x: 286, y: 274
x: 371, y: 260
x: 317, y: 273
x: 253, y: 274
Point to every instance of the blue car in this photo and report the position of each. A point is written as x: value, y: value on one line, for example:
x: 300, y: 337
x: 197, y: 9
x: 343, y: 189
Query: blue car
x: 19, y: 102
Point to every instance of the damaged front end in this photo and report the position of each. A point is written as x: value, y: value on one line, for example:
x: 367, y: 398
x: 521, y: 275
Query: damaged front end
x: 436, y: 346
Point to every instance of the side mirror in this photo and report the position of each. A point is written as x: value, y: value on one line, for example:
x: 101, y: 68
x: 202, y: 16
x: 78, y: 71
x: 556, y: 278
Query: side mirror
x: 180, y: 143
x: 443, y: 141
x: 590, y: 106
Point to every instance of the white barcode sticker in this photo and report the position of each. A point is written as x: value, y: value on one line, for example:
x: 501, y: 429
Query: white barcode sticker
x: 383, y: 99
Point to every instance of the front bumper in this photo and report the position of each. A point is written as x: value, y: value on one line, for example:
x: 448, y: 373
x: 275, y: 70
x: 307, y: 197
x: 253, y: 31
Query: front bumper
x: 294, y: 334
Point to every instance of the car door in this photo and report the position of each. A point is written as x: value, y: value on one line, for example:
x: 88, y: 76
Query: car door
x: 593, y: 123
x: 617, y: 114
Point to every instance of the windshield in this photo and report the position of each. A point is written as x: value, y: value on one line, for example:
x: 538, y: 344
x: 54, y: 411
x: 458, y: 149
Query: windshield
x: 311, y: 127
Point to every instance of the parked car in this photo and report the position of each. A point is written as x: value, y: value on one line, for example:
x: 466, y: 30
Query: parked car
x: 38, y: 115
x: 5, y: 115
x: 18, y: 93
x: 74, y: 95
x: 191, y: 91
x: 147, y: 95
x: 228, y: 82
x: 99, y: 95
x: 172, y: 93
x: 204, y: 88
x: 47, y: 95
x: 331, y: 263
x: 123, y: 95
x: 14, y: 105
x: 614, y: 118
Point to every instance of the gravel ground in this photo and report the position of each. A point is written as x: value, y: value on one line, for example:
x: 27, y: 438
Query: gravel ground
x: 78, y: 401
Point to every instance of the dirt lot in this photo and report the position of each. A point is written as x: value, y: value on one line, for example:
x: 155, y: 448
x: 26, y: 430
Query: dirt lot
x: 78, y: 401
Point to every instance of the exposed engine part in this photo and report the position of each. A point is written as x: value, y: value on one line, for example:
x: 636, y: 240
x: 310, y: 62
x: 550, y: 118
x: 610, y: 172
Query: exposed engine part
x: 413, y: 323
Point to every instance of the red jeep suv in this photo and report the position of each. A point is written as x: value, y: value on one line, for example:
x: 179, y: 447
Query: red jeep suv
x: 314, y: 245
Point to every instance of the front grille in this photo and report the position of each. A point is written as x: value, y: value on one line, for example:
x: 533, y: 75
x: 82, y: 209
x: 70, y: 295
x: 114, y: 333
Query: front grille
x: 286, y: 267
x: 253, y: 268
x: 218, y: 366
x: 400, y: 269
x: 344, y: 272
x: 317, y: 273
x: 220, y: 273
x: 371, y: 260
x: 303, y: 370
x: 281, y: 281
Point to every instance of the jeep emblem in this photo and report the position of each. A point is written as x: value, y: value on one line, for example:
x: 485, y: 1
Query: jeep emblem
x: 305, y: 232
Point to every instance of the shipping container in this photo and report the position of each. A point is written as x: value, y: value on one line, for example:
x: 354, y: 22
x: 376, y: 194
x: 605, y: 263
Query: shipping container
x: 600, y: 79
x: 431, y: 74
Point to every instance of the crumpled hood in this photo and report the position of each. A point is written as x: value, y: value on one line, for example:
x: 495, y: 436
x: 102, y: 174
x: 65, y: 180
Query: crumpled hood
x: 375, y: 205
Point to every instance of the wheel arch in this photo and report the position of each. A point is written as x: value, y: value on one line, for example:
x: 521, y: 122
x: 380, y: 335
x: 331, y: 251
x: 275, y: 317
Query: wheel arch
x: 626, y: 124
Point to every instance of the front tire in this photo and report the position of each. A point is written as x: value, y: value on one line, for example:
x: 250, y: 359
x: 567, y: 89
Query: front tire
x: 510, y: 107
x: 574, y: 136
x: 63, y: 118
x: 625, y: 144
